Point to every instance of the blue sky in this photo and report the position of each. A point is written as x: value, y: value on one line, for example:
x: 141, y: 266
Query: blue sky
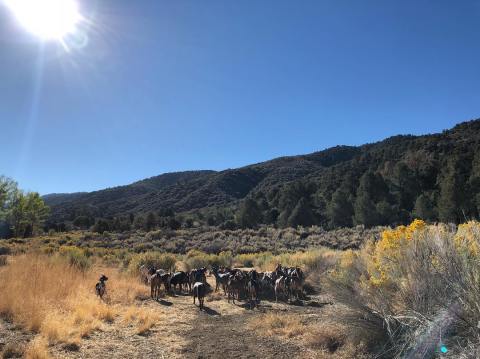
x: 175, y: 85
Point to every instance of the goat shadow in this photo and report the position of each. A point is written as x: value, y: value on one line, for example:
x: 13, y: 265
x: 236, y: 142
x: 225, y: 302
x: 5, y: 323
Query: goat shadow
x: 250, y: 306
x: 179, y: 294
x: 210, y: 311
x: 164, y: 302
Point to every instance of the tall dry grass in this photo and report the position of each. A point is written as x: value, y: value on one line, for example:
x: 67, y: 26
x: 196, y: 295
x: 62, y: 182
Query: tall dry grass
x: 56, y: 299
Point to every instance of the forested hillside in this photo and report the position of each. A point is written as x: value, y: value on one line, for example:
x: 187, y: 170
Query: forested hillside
x: 433, y: 177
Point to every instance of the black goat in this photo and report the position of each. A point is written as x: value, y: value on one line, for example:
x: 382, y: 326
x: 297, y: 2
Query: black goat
x: 100, y: 287
x: 199, y: 291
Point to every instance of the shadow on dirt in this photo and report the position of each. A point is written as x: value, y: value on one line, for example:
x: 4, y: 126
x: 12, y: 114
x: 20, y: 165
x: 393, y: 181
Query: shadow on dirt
x: 211, y: 311
x: 165, y: 302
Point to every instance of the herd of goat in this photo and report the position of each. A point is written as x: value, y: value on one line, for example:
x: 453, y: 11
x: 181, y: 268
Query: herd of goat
x: 285, y: 282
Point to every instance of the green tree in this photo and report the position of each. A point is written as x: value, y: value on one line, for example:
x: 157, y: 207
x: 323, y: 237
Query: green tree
x: 302, y: 215
x: 36, y: 213
x: 364, y: 207
x: 340, y: 210
x: 8, y: 189
x: 448, y: 202
x: 248, y: 215
x: 150, y: 221
x: 406, y: 186
x: 424, y: 208
x: 365, y: 210
x: 83, y: 222
x: 386, y: 213
x: 101, y: 226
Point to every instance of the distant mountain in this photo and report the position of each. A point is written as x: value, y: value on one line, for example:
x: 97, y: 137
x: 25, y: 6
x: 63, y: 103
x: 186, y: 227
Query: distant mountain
x: 432, y: 176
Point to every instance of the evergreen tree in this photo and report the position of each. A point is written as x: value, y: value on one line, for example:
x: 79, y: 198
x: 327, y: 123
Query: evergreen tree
x: 248, y: 215
x: 139, y: 222
x: 101, y: 226
x: 365, y: 210
x: 301, y: 215
x: 424, y: 208
x: 150, y: 221
x: 448, y: 201
x: 406, y: 186
x: 386, y: 213
x: 340, y: 209
x: 83, y: 222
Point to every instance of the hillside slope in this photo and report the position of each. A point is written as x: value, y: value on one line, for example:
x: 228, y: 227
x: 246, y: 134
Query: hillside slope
x: 435, y: 176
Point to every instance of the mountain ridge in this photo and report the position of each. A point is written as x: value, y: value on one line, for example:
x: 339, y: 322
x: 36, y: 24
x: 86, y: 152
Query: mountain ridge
x: 200, y: 190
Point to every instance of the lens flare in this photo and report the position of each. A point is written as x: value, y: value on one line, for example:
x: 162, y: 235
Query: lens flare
x: 47, y: 19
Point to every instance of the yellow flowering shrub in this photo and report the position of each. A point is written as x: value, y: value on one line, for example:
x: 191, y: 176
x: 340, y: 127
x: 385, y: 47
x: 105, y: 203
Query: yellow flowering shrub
x: 467, y: 237
x: 389, y: 251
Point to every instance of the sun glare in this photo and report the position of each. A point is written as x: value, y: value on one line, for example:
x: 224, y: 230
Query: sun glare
x: 47, y: 19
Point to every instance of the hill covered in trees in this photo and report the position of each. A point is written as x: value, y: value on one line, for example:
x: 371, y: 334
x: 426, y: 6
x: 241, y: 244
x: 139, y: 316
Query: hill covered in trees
x: 433, y: 177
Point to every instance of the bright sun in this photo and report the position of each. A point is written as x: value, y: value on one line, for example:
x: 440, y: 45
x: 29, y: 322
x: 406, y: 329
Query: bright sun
x: 47, y: 19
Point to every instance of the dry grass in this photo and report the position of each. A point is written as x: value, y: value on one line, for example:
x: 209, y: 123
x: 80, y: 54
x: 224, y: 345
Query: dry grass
x: 215, y: 296
x: 12, y: 351
x: 143, y: 319
x: 327, y: 340
x: 37, y: 349
x: 328, y: 337
x: 285, y: 325
x: 57, y: 300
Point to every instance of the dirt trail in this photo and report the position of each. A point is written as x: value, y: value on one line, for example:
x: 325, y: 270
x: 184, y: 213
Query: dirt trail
x: 227, y: 336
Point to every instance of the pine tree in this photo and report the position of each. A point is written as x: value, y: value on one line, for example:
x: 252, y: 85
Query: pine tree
x: 424, y: 208
x: 151, y: 221
x: 340, y: 209
x: 365, y: 211
x: 248, y: 215
x: 301, y: 215
x: 448, y: 201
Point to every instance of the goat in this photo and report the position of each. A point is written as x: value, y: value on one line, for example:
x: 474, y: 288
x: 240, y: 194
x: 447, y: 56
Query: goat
x: 197, y: 275
x: 280, y: 287
x: 236, y: 282
x: 252, y: 288
x: 199, y: 290
x: 155, y: 283
x: 100, y: 287
x: 294, y: 286
x: 221, y: 279
x: 179, y: 278
x: 146, y: 273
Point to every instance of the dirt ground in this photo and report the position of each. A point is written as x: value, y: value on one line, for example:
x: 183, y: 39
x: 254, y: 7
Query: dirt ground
x: 220, y: 331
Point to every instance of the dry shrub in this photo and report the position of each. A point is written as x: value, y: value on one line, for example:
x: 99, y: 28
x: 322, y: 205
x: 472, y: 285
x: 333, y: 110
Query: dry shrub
x: 152, y: 259
x: 286, y: 325
x: 142, y: 319
x: 37, y: 349
x: 418, y: 281
x: 326, y: 337
x: 315, y: 260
